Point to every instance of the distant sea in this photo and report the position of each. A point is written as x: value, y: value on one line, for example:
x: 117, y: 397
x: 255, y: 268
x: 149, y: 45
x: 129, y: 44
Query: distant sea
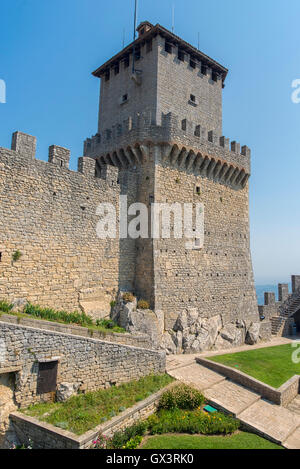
x: 260, y: 290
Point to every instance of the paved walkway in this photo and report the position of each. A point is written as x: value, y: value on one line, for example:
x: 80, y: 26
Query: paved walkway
x: 279, y: 424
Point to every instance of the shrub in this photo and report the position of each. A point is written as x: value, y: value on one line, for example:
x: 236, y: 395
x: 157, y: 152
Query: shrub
x: 5, y: 307
x: 181, y: 397
x: 120, y: 439
x: 16, y: 256
x: 134, y: 442
x: 143, y: 304
x: 112, y: 304
x: 192, y: 422
x: 128, y: 297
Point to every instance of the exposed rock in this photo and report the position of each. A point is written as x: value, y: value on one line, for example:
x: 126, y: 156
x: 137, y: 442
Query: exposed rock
x: 168, y: 343
x: 252, y: 336
x: 65, y: 391
x: 19, y: 305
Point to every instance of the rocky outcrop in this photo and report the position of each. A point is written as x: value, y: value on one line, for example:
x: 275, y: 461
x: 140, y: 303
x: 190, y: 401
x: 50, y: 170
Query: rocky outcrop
x: 140, y: 321
x: 192, y: 333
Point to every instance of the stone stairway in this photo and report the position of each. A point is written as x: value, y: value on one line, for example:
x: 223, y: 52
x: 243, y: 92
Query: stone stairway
x: 278, y: 424
x: 286, y: 310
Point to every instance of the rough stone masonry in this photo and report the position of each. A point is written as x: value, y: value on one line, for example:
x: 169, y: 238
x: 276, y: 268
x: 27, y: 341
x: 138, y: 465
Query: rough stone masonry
x: 159, y: 140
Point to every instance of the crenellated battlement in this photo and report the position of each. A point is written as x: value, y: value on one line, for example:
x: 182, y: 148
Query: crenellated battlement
x: 23, y: 148
x: 142, y: 128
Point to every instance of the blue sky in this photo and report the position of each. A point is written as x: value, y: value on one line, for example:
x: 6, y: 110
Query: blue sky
x: 49, y: 47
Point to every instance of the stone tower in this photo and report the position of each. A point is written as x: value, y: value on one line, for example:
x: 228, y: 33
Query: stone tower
x: 160, y: 124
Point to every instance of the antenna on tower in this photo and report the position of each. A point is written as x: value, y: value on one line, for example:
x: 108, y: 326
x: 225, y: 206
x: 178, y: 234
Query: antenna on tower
x: 134, y: 34
x: 173, y: 18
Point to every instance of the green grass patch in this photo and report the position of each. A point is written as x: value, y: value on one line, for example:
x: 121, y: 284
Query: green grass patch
x: 237, y: 441
x: 76, y: 318
x: 191, y: 421
x: 271, y: 365
x: 85, y: 411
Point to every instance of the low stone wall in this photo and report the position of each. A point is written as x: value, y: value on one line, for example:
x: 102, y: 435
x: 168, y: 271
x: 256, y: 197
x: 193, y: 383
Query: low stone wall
x: 136, y: 340
x: 89, y: 364
x: 281, y: 396
x: 46, y: 436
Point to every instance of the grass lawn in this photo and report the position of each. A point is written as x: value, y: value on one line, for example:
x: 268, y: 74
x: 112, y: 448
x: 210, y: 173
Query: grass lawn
x: 237, y: 441
x: 85, y: 411
x: 272, y: 365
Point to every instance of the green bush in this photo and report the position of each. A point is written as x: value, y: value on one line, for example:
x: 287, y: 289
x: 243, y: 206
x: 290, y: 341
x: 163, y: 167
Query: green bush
x: 192, y: 422
x: 16, y: 256
x: 5, y: 307
x: 128, y: 297
x: 143, y: 304
x: 134, y: 442
x: 120, y: 439
x: 181, y: 396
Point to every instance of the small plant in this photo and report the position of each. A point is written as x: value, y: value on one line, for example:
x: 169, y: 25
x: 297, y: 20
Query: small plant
x: 102, y: 442
x: 112, y: 304
x: 143, y: 304
x: 181, y: 396
x: 221, y: 199
x: 122, y: 409
x: 131, y: 436
x: 177, y: 180
x: 5, y: 307
x: 16, y: 256
x: 128, y: 297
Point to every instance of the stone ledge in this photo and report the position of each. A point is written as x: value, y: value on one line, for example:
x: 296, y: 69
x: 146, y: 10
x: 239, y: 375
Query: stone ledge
x: 30, y: 428
x: 281, y: 396
x: 120, y: 338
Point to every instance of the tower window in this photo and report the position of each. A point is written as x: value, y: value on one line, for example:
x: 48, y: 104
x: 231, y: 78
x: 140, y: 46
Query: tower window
x: 198, y: 190
x: 183, y: 124
x: 149, y: 46
x: 193, y: 98
x: 203, y: 69
x: 137, y: 53
x: 168, y: 47
x: 180, y: 55
x: 192, y: 63
x: 126, y: 61
x: 197, y: 131
x: 117, y: 69
x: 124, y: 98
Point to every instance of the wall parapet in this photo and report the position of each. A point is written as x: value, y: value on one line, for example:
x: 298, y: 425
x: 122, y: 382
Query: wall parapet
x: 140, y: 340
x: 142, y: 127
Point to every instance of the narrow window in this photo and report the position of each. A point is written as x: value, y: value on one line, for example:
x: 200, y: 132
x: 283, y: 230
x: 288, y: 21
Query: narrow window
x: 193, y: 98
x: 197, y: 131
x: 198, y: 190
x: 149, y: 46
x: 137, y: 53
x: 107, y: 75
x: 180, y: 55
x: 183, y: 124
x: 124, y: 98
x: 117, y: 69
x: 215, y: 76
x: 126, y: 61
x: 192, y: 63
x: 168, y: 47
